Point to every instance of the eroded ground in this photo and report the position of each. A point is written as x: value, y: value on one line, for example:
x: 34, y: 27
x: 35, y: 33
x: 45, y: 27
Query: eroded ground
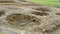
x: 27, y: 17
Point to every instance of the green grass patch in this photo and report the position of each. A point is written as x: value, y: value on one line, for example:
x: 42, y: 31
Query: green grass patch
x: 46, y: 2
x: 0, y: 32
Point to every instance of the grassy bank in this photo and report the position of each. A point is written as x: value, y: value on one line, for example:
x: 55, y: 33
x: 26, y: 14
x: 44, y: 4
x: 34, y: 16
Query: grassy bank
x: 0, y: 33
x: 47, y: 2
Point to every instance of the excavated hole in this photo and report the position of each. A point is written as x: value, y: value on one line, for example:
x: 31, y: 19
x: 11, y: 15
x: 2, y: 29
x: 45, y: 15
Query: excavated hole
x: 40, y: 13
x: 42, y: 9
x: 23, y: 0
x: 7, y: 2
x: 20, y: 19
x: 1, y: 13
x: 57, y: 13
